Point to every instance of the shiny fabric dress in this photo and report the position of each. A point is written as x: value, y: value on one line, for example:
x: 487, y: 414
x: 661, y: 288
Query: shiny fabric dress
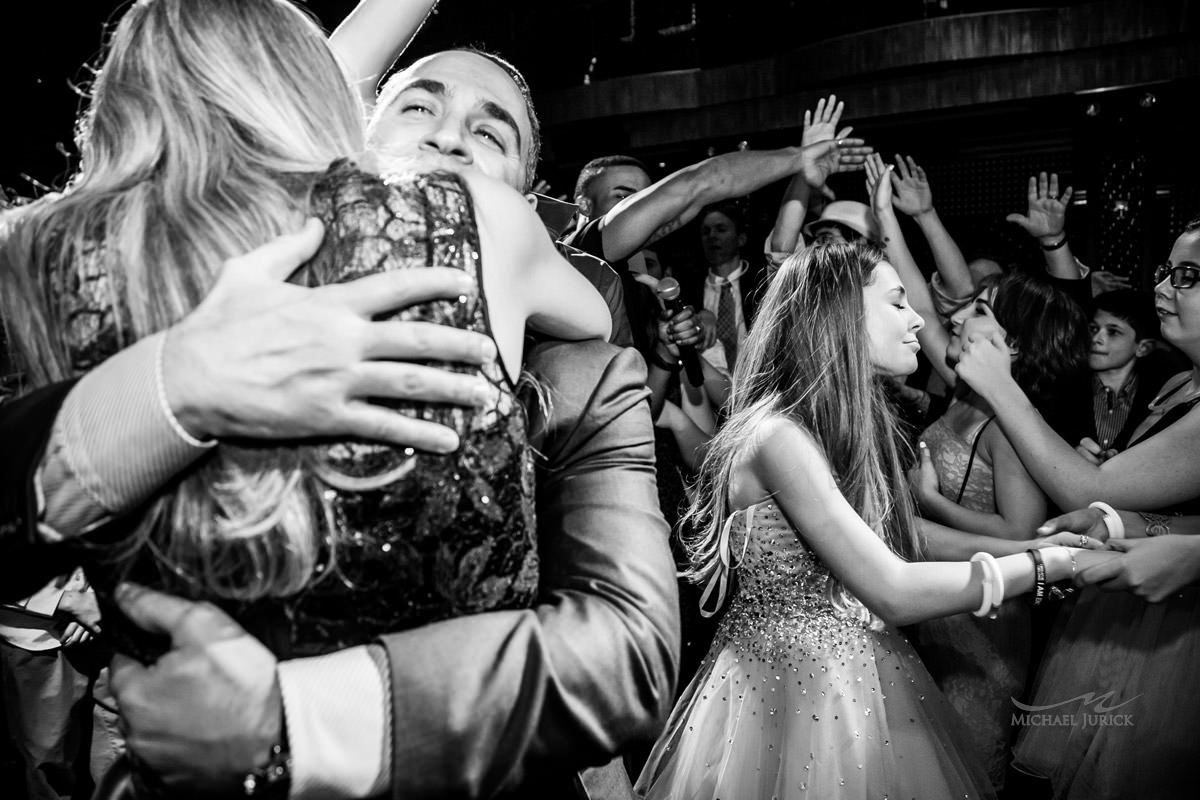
x: 980, y: 664
x: 416, y: 537
x: 805, y: 695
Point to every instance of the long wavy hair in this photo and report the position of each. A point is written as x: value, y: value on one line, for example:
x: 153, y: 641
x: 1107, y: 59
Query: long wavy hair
x: 206, y: 123
x: 807, y: 359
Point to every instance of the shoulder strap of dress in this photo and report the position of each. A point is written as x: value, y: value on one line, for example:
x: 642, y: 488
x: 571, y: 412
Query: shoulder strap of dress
x: 971, y: 460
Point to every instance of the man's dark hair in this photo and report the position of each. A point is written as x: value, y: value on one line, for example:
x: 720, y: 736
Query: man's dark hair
x: 1132, y: 306
x: 592, y: 169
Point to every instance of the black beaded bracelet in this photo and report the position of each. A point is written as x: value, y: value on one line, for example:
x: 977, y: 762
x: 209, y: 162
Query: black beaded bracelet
x: 1056, y: 245
x: 659, y: 362
x: 1039, y: 576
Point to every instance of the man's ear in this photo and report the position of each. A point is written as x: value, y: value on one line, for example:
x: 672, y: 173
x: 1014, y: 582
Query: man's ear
x: 585, y: 205
x: 1144, y: 348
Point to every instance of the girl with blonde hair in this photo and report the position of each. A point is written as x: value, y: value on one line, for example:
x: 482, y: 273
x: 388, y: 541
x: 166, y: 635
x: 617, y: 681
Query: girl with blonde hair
x: 213, y: 127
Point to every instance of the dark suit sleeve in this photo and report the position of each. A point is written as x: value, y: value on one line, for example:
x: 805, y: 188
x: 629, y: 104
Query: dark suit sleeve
x: 26, y: 563
x: 482, y: 703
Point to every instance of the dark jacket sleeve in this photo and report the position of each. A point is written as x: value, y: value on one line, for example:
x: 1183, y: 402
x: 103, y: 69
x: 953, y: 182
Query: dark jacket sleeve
x: 26, y: 563
x: 486, y: 703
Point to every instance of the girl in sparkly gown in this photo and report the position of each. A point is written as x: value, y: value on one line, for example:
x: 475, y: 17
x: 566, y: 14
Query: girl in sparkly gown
x: 215, y: 126
x: 808, y: 691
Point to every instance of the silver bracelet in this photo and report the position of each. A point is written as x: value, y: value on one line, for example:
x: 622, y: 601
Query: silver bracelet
x: 1156, y: 524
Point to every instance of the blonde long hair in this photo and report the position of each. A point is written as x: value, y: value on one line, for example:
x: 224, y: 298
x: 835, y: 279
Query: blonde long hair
x: 206, y: 123
x: 807, y: 359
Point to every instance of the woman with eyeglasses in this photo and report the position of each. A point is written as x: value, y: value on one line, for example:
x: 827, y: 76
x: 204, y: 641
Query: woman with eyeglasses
x: 1112, y: 679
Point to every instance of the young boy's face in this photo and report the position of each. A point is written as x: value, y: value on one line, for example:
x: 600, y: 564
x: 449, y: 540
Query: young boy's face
x: 1114, y: 342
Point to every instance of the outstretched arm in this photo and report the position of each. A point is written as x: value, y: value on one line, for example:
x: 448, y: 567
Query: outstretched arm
x: 373, y: 36
x: 668, y: 205
x: 1155, y: 473
x: 933, y: 337
x: 913, y: 196
x: 789, y: 466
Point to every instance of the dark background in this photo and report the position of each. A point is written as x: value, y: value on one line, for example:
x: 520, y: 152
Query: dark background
x: 978, y: 155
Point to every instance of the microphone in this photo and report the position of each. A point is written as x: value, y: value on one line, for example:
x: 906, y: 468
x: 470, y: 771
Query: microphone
x: 668, y: 292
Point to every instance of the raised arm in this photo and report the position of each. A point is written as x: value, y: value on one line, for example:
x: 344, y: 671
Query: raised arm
x: 668, y: 205
x: 1156, y: 473
x: 913, y: 196
x: 790, y: 467
x: 1045, y: 219
x: 526, y: 279
x: 373, y: 36
x: 933, y: 337
x: 819, y: 125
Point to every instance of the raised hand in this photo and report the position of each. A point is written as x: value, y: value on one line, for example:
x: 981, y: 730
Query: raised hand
x: 879, y: 185
x: 1046, y: 216
x: 821, y: 124
x: 1107, y: 282
x: 820, y: 160
x: 910, y: 188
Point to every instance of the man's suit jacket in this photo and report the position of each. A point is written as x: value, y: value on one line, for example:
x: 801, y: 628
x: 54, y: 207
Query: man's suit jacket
x: 511, y: 702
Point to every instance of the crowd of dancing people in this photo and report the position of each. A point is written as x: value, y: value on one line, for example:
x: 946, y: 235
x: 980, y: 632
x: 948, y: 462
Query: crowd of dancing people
x: 334, y: 469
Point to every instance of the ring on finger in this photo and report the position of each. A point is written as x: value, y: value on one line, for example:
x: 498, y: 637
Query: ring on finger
x: 1083, y: 540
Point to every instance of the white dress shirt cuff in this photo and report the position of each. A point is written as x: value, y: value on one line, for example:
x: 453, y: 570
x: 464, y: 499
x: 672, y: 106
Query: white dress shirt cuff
x: 335, y: 708
x: 112, y: 445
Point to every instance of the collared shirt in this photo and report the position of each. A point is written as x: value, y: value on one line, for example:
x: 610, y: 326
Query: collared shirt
x: 1111, y: 409
x: 713, y: 286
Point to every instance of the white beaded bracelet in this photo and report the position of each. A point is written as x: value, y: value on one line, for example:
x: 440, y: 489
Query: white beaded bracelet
x: 1112, y: 520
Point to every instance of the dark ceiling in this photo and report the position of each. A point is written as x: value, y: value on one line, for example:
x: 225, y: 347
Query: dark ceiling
x: 557, y: 43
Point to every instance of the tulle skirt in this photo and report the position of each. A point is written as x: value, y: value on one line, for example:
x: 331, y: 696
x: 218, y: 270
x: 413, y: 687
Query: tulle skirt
x: 1116, y: 706
x: 863, y: 723
x: 981, y: 665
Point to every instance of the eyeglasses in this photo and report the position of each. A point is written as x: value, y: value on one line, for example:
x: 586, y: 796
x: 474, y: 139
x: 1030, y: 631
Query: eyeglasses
x: 1182, y: 277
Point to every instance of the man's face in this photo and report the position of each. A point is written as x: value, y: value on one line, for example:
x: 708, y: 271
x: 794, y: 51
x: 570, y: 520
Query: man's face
x: 613, y: 185
x: 457, y: 111
x: 720, y: 238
